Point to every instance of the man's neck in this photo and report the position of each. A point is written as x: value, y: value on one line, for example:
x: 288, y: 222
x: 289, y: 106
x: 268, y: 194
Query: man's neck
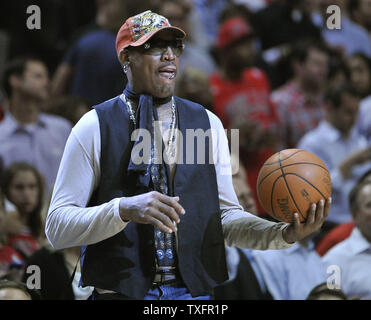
x: 24, y: 110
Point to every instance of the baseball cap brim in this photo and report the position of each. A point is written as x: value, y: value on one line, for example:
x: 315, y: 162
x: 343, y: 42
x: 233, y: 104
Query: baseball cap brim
x: 180, y: 34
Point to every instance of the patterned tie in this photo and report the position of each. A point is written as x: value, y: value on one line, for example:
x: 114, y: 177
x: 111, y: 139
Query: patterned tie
x: 164, y: 242
x: 152, y: 175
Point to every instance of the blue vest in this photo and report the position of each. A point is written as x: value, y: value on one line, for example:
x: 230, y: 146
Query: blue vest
x: 125, y: 263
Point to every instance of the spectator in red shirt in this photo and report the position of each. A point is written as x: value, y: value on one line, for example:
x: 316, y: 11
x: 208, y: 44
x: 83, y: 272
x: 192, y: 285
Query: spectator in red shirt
x: 300, y: 102
x: 23, y: 186
x: 241, y: 97
x: 336, y: 235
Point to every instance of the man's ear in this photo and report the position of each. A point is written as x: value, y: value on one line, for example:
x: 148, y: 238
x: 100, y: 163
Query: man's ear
x: 124, y: 57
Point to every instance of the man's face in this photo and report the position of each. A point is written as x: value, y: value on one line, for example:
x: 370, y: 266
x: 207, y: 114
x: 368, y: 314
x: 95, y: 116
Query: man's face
x: 240, y: 55
x: 315, y: 68
x: 244, y: 195
x: 154, y: 74
x: 360, y: 75
x: 362, y: 218
x: 35, y: 81
x: 346, y: 114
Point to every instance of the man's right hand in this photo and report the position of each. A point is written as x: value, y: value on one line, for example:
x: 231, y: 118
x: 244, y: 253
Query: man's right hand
x: 153, y: 208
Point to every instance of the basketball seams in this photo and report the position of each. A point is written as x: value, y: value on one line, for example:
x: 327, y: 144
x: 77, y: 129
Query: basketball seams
x: 288, y: 165
x: 272, y: 191
x: 279, y: 161
x: 307, y: 181
x: 287, y: 185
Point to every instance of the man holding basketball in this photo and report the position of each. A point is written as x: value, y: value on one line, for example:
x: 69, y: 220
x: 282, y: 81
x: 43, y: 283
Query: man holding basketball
x: 154, y: 229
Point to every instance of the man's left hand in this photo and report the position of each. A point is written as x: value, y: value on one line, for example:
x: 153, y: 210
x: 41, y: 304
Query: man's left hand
x: 317, y: 215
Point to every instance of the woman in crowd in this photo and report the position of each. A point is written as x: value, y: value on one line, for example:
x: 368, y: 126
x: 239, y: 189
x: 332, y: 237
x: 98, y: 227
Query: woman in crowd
x: 23, y: 186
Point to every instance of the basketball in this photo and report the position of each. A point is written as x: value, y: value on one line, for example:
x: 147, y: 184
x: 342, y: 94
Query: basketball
x: 290, y: 181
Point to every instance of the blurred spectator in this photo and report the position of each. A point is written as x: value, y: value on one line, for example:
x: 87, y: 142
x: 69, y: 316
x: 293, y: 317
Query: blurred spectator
x: 69, y: 108
x: 243, y: 283
x: 13, y: 290
x: 323, y: 292
x: 344, y: 151
x: 194, y: 85
x: 241, y: 97
x: 353, y: 255
x: 299, y: 103
x: 360, y: 73
x: 340, y: 232
x: 59, y: 20
x: 350, y: 38
x: 289, y: 274
x: 339, y: 72
x: 90, y: 69
x: 366, y: 176
x: 360, y: 12
x: 178, y: 12
x: 22, y: 184
x: 243, y: 191
x: 364, y: 119
x: 26, y: 134
x: 57, y: 267
x: 360, y: 67
x: 294, y: 20
x: 233, y: 10
x: 209, y: 12
x: 284, y: 22
x: 9, y: 258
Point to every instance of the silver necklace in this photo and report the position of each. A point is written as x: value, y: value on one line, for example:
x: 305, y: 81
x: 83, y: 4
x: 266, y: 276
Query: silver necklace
x: 172, y: 137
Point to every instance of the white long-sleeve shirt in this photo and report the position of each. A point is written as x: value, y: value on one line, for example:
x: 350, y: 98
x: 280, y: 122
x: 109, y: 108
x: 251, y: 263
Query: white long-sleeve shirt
x: 70, y: 223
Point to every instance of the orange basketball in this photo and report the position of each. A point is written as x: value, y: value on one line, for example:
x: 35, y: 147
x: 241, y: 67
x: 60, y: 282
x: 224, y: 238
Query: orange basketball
x: 290, y: 181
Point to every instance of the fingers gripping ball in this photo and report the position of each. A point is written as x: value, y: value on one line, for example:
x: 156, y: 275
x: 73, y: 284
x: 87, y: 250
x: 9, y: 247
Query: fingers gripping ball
x: 290, y: 181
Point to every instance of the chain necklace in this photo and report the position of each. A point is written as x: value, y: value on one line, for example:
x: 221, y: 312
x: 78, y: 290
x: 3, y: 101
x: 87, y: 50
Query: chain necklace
x: 172, y: 131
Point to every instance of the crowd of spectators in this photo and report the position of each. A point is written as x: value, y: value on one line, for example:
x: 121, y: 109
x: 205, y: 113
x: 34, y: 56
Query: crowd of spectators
x: 271, y: 68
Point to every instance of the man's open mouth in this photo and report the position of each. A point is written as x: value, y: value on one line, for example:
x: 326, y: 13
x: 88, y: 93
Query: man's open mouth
x: 168, y: 72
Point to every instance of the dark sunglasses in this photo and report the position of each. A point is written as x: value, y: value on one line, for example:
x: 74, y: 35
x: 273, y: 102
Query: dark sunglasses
x: 156, y: 47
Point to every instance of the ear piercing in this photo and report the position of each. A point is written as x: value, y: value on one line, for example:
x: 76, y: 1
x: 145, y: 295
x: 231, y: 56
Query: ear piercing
x: 126, y: 67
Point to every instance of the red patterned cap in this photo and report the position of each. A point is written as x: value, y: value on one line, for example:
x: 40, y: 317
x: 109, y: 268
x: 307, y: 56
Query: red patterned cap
x: 140, y: 28
x: 232, y: 30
